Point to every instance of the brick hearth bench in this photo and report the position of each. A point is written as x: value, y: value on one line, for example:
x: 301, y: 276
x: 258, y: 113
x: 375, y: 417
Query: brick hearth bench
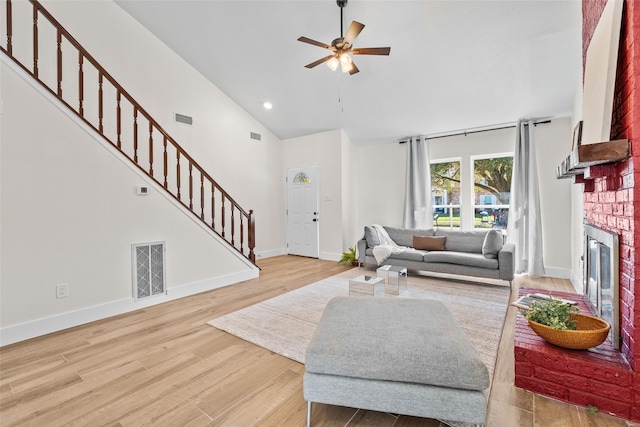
x: 399, y: 355
x: 599, y: 376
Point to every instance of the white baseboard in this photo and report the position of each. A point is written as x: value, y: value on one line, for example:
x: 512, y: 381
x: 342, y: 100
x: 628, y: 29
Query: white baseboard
x: 330, y: 256
x: 271, y: 253
x: 560, y: 273
x: 59, y: 322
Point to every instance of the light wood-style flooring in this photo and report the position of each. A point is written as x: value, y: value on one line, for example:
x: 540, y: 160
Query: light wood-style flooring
x: 165, y: 366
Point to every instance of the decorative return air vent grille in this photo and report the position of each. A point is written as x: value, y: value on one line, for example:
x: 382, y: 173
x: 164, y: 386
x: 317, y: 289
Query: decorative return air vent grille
x: 149, y: 268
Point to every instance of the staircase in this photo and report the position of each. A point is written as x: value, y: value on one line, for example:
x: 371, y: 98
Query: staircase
x: 46, y: 51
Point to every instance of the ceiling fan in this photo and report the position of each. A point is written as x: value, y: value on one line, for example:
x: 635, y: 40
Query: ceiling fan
x: 343, y: 46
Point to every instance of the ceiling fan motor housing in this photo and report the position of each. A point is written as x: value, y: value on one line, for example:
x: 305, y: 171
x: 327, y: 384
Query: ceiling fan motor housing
x: 338, y: 43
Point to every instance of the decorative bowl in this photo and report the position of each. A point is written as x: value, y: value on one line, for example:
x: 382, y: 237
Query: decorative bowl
x: 590, y: 332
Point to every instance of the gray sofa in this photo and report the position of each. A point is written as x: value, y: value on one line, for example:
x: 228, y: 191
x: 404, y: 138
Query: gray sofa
x: 466, y: 253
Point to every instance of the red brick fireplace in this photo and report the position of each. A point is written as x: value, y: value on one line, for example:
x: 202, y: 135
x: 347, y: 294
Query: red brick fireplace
x: 605, y: 378
x: 611, y: 191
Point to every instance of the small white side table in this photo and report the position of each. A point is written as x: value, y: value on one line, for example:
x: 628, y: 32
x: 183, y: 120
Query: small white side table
x: 366, y: 286
x: 395, y: 278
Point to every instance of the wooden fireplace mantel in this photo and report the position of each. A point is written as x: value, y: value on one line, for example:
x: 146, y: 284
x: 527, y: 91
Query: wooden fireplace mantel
x: 587, y: 155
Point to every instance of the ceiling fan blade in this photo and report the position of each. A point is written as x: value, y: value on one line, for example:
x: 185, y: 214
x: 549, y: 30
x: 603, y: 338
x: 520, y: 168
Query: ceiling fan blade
x: 319, y: 61
x: 352, y: 32
x: 354, y: 69
x: 371, y: 51
x: 314, y: 42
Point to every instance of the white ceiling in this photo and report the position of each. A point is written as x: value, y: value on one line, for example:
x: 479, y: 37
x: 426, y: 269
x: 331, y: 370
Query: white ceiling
x: 454, y: 65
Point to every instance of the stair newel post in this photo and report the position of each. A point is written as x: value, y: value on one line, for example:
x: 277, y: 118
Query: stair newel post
x: 59, y: 42
x: 164, y: 157
x: 151, y: 148
x: 100, y: 103
x: 252, y: 236
x: 35, y: 40
x: 80, y: 84
x: 9, y: 29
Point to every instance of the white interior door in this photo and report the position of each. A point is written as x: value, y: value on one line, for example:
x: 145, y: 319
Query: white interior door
x: 302, y: 211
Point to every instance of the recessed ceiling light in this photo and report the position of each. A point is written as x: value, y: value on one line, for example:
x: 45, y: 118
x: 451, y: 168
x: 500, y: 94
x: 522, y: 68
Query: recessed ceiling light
x: 268, y: 105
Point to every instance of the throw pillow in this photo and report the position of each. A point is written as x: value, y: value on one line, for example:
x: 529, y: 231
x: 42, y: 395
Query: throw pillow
x: 427, y: 243
x: 492, y: 244
x: 371, y: 235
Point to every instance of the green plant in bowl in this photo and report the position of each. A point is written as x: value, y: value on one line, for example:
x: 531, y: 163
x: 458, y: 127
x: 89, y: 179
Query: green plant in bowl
x: 552, y: 313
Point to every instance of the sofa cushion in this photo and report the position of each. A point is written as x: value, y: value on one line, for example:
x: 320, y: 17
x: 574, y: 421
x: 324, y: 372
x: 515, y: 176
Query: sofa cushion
x: 371, y: 236
x: 404, y: 236
x: 410, y: 254
x: 463, y: 241
x: 461, y: 258
x: 492, y: 244
x: 429, y: 243
x: 414, y: 341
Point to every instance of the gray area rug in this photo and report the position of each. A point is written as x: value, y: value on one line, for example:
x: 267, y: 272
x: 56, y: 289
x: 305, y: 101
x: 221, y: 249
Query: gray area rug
x: 285, y: 324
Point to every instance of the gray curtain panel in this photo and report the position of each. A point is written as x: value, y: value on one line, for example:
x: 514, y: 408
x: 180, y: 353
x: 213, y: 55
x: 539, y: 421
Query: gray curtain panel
x: 418, y: 210
x: 524, y: 227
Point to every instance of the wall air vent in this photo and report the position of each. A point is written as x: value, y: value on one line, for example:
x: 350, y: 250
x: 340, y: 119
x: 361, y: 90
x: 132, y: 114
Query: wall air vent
x: 185, y: 120
x: 148, y: 263
x: 256, y: 136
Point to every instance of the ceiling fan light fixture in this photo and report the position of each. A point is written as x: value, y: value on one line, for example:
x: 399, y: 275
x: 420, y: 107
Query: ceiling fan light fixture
x: 333, y: 63
x: 343, y: 46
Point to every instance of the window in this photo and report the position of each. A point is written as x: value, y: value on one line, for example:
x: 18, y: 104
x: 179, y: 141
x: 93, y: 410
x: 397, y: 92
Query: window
x: 445, y: 188
x: 492, y: 191
x: 471, y: 192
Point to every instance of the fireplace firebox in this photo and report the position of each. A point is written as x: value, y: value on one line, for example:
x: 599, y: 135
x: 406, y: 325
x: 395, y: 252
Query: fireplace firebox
x: 601, y: 277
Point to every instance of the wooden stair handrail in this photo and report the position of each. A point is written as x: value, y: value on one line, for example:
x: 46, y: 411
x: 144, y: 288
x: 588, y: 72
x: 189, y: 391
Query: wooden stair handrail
x: 247, y: 219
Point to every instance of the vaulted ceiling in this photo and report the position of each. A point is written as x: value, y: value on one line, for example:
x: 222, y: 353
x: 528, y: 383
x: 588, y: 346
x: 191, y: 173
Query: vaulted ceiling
x: 454, y: 65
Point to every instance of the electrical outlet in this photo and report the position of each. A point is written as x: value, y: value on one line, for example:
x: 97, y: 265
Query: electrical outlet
x: 62, y: 290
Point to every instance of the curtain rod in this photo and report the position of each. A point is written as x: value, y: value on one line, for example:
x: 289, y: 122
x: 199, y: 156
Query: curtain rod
x: 465, y: 133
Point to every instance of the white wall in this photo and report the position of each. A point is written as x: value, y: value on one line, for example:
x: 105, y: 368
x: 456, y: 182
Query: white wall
x: 351, y: 233
x: 381, y: 175
x: 381, y: 171
x: 553, y: 142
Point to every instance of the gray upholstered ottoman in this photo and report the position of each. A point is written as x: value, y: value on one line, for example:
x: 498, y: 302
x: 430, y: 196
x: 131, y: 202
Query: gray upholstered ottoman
x: 398, y: 355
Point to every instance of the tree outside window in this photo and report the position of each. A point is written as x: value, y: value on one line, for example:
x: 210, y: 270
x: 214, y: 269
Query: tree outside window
x: 445, y: 187
x: 492, y: 191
